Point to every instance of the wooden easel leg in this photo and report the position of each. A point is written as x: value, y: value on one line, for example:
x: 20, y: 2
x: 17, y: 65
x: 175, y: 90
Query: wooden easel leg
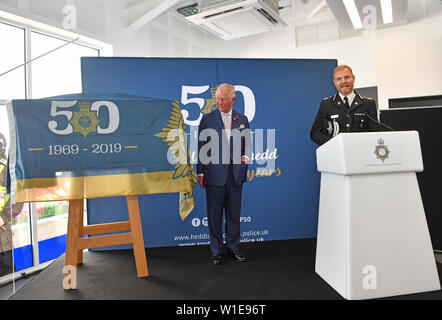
x: 75, y: 212
x: 137, y: 234
x: 80, y: 233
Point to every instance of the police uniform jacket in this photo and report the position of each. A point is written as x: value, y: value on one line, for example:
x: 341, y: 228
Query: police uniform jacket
x: 5, y: 211
x: 335, y: 117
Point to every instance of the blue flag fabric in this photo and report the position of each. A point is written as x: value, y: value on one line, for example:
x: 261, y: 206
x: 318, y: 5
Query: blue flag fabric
x: 98, y: 145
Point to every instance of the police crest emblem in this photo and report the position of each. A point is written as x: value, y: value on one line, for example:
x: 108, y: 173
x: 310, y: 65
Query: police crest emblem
x: 210, y: 104
x: 85, y: 121
x: 382, y: 152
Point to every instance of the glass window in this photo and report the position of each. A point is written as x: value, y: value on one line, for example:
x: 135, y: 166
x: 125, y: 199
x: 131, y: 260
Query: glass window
x: 60, y: 71
x: 54, y: 73
x: 12, y: 54
x: 21, y: 235
x: 52, y: 221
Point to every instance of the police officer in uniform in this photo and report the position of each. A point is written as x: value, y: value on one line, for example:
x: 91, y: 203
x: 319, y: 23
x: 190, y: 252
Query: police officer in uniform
x: 346, y: 111
x: 6, y: 246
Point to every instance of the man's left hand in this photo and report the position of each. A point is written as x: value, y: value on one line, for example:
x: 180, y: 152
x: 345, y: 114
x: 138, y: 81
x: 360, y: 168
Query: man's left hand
x: 201, y: 181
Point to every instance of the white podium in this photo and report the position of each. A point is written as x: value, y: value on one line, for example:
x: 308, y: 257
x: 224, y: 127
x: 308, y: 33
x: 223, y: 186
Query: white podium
x: 373, y: 238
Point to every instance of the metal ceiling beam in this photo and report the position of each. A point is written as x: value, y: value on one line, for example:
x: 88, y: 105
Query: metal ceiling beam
x: 151, y: 14
x: 318, y: 8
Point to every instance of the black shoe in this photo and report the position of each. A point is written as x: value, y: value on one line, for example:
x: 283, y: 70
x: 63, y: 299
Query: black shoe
x: 239, y: 256
x: 215, y: 258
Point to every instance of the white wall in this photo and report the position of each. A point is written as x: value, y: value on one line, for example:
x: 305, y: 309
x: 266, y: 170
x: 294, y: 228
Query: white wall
x: 105, y: 21
x: 165, y: 36
x: 358, y: 52
x: 49, y: 16
x: 172, y: 36
x: 409, y: 60
x: 403, y: 61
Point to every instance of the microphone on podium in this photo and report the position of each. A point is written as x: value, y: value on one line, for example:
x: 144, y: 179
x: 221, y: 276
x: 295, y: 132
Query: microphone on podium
x: 378, y: 122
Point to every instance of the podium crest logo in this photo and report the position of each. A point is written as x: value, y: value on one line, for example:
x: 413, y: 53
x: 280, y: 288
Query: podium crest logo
x: 85, y: 121
x: 382, y: 152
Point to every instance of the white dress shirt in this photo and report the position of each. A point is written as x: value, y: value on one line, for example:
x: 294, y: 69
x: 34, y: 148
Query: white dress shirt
x: 223, y: 117
x: 228, y: 114
x: 350, y: 97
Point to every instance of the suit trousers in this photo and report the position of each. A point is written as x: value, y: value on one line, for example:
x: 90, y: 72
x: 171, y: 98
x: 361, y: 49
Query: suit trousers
x: 224, y: 198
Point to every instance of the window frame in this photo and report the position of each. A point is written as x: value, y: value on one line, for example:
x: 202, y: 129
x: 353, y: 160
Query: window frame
x: 30, y: 26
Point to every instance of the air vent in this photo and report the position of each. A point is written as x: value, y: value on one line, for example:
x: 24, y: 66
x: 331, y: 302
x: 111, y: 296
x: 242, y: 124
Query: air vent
x: 237, y: 18
x: 206, y: 5
x: 267, y: 15
x: 10, y: 3
x: 221, y: 13
x: 189, y: 10
x: 214, y: 29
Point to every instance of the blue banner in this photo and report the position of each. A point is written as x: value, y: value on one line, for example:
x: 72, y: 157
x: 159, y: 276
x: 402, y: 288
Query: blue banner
x: 280, y: 98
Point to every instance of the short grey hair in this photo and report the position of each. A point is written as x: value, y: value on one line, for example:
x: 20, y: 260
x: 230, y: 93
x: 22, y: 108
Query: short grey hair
x: 229, y: 88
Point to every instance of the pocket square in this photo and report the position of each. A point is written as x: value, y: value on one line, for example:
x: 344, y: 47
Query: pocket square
x: 241, y: 126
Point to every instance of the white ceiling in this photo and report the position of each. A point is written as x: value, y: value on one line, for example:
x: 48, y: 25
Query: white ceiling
x: 294, y: 12
x: 140, y: 12
x: 298, y: 11
x: 366, y: 13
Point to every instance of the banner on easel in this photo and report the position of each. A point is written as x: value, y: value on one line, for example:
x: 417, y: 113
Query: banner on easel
x: 90, y: 146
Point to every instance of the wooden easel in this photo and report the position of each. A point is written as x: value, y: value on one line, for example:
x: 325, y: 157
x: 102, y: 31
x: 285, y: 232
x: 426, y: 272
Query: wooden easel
x: 75, y: 242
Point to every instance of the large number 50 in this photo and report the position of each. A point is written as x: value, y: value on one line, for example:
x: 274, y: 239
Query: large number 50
x: 114, y: 116
x: 249, y: 102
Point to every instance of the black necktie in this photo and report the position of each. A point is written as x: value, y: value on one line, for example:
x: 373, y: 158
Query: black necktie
x: 346, y: 102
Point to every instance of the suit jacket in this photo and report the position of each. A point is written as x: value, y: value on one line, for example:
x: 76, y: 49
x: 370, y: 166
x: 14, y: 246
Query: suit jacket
x: 333, y: 111
x: 216, y: 171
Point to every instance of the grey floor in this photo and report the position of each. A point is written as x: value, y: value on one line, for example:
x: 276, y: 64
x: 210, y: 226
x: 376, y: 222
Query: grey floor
x: 6, y: 291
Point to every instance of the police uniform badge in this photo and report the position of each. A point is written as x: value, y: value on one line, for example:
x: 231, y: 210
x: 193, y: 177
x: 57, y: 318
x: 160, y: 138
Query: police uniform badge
x: 333, y: 126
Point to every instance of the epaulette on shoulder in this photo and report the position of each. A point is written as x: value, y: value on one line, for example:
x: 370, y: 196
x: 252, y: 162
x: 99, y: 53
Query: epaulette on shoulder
x: 328, y: 98
x: 363, y: 97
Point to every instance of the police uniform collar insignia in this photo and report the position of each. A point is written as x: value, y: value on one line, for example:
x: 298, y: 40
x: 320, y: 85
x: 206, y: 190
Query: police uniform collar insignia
x: 337, y: 100
x: 358, y: 100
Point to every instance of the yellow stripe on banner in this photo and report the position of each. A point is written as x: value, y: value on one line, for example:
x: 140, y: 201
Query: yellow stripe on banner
x: 130, y: 147
x: 51, y: 189
x: 36, y: 149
